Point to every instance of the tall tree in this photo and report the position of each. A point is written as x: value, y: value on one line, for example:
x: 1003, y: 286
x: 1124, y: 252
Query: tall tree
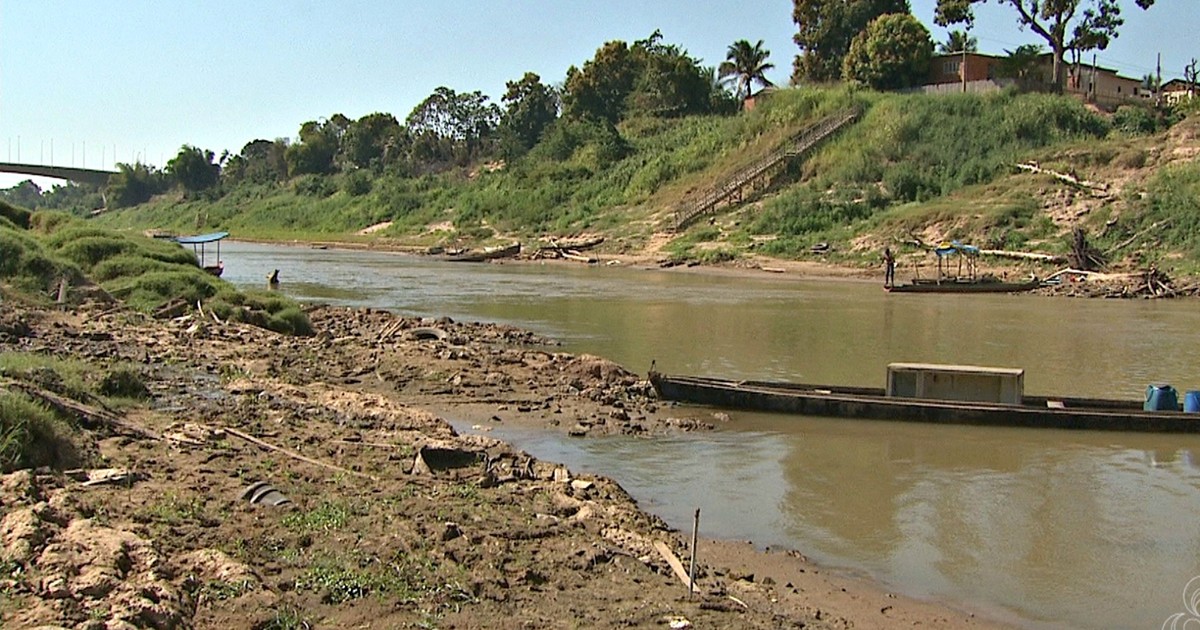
x: 598, y: 91
x: 957, y: 42
x: 367, y: 140
x: 319, y: 141
x: 453, y: 126
x: 892, y: 53
x: 826, y: 29
x: 1067, y: 26
x: 668, y: 82
x: 530, y: 107
x: 744, y: 65
x: 194, y: 169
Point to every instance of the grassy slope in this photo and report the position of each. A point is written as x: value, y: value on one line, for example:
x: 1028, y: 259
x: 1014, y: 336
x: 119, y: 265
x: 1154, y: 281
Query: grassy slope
x: 935, y: 166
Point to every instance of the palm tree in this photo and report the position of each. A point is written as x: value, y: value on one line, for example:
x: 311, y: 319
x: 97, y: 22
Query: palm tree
x: 959, y: 41
x: 744, y: 64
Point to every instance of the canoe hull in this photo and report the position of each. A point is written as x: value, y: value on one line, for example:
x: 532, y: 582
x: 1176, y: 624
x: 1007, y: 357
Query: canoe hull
x: 871, y: 403
x: 965, y: 287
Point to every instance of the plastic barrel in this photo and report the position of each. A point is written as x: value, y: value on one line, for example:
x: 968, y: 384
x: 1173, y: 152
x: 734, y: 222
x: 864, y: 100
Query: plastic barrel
x: 1191, y: 402
x: 1161, y: 398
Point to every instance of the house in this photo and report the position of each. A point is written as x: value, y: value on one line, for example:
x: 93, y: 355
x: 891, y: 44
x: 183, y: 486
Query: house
x: 949, y: 68
x: 978, y: 72
x: 1177, y: 90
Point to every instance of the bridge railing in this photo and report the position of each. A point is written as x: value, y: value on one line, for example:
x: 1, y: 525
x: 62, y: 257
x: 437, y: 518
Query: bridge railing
x: 725, y: 191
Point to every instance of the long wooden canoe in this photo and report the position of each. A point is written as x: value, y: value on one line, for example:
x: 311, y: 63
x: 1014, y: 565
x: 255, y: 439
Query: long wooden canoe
x: 872, y: 403
x: 953, y: 286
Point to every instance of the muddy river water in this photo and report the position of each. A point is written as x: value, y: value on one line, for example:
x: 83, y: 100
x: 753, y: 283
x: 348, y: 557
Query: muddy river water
x: 1052, y: 529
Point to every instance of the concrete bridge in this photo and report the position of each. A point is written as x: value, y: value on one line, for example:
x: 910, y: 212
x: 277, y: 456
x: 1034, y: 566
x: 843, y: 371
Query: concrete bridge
x: 77, y: 175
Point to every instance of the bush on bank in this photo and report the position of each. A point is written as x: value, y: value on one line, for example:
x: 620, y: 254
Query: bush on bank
x: 144, y: 273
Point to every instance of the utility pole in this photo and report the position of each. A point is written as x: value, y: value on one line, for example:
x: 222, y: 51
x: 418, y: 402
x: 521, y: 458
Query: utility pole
x: 1158, y: 82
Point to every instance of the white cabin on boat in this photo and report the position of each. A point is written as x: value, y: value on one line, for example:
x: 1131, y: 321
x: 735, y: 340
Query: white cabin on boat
x: 969, y: 383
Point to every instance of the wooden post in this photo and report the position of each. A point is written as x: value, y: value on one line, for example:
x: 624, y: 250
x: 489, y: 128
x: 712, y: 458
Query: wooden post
x: 692, y: 571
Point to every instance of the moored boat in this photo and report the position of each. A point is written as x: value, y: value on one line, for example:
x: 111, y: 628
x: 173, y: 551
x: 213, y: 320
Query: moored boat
x: 1014, y: 409
x: 964, y: 286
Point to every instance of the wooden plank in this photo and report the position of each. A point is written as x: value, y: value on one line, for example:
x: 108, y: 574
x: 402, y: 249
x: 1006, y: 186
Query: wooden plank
x: 676, y: 565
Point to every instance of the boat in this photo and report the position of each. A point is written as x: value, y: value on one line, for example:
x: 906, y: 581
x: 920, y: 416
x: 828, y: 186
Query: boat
x: 483, y: 255
x: 965, y: 280
x: 964, y: 286
x: 1013, y: 410
x: 198, y: 242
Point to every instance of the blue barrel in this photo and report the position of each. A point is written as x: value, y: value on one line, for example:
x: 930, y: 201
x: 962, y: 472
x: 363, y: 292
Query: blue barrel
x: 1161, y: 398
x: 1191, y: 401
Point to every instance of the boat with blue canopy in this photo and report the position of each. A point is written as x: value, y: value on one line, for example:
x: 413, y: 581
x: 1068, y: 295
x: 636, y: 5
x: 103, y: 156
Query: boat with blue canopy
x: 198, y: 243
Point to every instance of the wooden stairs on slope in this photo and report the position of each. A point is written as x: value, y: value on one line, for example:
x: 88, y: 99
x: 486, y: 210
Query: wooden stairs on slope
x: 758, y: 175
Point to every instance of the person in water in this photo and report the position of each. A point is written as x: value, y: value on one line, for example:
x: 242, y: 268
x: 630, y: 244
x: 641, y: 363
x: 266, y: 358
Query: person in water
x: 889, y: 268
x: 273, y: 280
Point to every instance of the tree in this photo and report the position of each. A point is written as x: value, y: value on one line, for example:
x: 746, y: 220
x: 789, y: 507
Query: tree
x: 892, y: 53
x: 598, y: 91
x: 745, y: 65
x: 260, y: 161
x: 668, y: 82
x: 826, y: 30
x: 957, y: 42
x: 371, y: 140
x: 530, y: 108
x: 1023, y: 64
x: 194, y: 169
x: 319, y: 141
x: 1067, y: 26
x: 134, y: 184
x: 453, y: 126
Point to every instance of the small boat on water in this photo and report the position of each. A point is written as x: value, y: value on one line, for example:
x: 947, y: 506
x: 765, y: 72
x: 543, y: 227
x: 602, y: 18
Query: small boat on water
x: 964, y: 286
x: 931, y: 393
x: 198, y: 243
x: 966, y: 279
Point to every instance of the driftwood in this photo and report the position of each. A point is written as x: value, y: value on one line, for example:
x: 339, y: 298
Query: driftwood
x: 1083, y: 255
x: 1001, y: 253
x: 90, y: 417
x: 676, y: 565
x: 294, y: 455
x: 1125, y: 243
x: 1097, y: 188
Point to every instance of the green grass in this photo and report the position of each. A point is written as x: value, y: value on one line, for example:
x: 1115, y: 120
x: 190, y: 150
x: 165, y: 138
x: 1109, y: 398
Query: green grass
x: 31, y: 435
x: 908, y: 160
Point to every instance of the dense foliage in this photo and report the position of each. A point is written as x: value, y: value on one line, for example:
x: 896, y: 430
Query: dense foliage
x: 892, y: 53
x: 825, y: 31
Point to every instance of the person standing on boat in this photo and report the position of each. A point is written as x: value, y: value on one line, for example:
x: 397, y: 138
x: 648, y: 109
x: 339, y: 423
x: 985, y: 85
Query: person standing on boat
x: 889, y: 268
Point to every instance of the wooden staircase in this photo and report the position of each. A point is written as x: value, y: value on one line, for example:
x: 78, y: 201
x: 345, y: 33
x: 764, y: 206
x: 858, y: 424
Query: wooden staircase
x: 758, y: 175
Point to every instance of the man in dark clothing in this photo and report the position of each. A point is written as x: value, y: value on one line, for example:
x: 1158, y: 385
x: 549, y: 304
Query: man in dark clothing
x: 889, y: 271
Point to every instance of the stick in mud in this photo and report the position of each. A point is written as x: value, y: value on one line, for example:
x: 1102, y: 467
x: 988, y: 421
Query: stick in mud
x: 692, y: 571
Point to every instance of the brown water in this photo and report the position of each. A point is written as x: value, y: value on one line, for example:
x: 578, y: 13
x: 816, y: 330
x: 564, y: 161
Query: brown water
x: 1053, y: 528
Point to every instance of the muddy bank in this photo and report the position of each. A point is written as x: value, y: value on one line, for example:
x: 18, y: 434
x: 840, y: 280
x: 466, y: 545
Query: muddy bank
x: 276, y: 482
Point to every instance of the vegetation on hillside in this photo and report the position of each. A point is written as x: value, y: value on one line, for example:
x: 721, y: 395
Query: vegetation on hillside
x: 49, y: 255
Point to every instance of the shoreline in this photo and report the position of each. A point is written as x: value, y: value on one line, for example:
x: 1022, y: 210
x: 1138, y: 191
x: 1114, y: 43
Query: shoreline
x: 357, y: 398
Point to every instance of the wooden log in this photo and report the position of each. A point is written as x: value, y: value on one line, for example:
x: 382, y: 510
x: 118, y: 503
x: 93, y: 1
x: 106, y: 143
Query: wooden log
x: 90, y: 416
x: 294, y: 455
x: 676, y: 565
x: 1001, y: 253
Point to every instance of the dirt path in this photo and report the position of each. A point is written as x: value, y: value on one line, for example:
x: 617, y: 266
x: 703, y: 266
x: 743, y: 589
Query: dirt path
x: 391, y: 519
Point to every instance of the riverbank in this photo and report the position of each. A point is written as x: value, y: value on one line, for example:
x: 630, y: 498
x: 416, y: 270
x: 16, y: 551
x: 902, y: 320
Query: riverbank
x: 393, y: 519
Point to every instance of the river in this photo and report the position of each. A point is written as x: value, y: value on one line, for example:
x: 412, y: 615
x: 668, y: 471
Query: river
x: 1052, y: 529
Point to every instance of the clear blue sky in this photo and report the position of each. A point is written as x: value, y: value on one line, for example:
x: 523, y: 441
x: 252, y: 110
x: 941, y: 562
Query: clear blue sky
x: 141, y: 78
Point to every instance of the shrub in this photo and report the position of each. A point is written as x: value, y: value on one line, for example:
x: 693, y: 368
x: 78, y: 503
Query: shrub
x: 18, y: 216
x: 31, y: 436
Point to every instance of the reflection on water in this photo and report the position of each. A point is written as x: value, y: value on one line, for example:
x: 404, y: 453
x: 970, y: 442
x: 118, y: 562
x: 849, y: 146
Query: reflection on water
x: 1066, y: 529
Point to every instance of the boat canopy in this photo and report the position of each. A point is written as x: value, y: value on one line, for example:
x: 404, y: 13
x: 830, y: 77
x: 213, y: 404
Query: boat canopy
x: 200, y: 239
x: 955, y: 247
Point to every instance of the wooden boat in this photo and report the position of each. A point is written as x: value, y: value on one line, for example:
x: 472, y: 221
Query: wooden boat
x: 198, y: 242
x: 874, y: 403
x: 484, y: 255
x: 964, y: 286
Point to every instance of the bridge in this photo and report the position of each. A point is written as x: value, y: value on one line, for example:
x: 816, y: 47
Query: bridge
x: 77, y: 175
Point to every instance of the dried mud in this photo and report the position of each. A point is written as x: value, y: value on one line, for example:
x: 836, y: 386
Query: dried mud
x: 387, y: 517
